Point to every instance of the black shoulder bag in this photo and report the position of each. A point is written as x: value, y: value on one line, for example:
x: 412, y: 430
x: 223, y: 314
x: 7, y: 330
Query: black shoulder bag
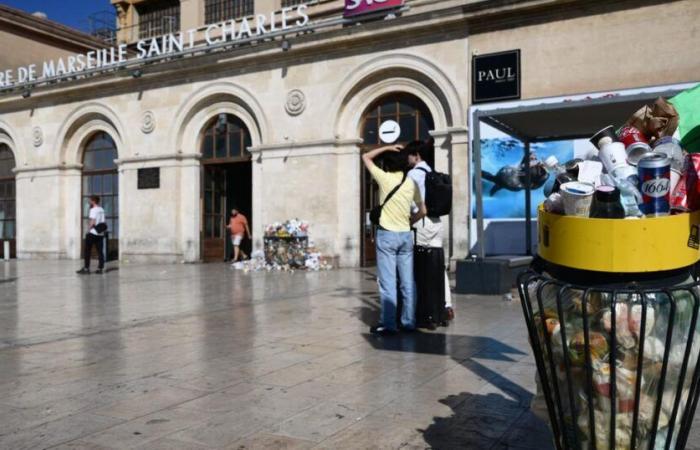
x: 376, y: 212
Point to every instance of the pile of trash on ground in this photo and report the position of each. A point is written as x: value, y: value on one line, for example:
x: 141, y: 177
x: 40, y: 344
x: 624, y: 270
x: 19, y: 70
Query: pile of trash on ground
x: 287, y: 247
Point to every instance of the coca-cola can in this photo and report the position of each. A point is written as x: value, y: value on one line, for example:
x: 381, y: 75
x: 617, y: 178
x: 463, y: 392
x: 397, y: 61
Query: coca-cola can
x: 655, y: 184
x: 631, y: 135
x: 636, y: 144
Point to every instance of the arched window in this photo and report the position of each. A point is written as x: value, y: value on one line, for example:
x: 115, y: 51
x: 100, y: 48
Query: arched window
x: 7, y: 195
x: 100, y: 177
x: 226, y: 139
x: 408, y: 111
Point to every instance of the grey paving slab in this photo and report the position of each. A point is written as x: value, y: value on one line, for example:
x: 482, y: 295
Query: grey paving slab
x: 378, y: 433
x: 146, y: 402
x: 322, y: 421
x: 57, y: 432
x: 268, y: 441
x: 204, y: 357
x: 142, y: 431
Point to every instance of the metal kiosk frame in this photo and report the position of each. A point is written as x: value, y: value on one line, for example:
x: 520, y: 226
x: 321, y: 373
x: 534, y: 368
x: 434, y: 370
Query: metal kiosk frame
x: 537, y: 121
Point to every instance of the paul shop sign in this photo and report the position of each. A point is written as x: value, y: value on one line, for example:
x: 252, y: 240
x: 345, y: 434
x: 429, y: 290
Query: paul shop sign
x: 358, y: 7
x: 228, y: 31
x: 496, y: 77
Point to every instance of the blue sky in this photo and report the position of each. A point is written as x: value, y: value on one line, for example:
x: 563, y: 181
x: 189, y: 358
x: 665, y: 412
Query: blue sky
x: 73, y: 13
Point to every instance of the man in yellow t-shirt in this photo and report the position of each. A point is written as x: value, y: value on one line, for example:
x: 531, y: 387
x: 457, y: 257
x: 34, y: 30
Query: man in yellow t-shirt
x: 394, y: 239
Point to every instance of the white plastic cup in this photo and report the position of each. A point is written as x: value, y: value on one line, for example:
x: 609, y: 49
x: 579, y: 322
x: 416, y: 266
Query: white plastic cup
x: 577, y: 198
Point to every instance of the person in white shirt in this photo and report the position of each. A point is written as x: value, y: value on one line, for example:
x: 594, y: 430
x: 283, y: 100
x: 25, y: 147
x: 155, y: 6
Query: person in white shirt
x: 95, y: 236
x: 429, y: 238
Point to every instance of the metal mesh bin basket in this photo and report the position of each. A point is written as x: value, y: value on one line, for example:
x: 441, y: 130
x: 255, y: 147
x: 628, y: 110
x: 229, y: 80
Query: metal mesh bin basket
x: 618, y: 364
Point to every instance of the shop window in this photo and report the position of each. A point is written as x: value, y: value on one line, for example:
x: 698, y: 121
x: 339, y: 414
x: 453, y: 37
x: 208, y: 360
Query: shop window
x: 7, y: 194
x: 222, y: 10
x: 226, y: 139
x: 100, y: 177
x: 158, y: 17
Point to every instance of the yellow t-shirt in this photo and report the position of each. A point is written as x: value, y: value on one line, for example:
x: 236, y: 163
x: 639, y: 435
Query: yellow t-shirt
x: 396, y: 214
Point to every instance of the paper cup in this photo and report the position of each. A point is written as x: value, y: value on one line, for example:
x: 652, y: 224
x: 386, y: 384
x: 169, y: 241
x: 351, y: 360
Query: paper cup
x: 577, y: 198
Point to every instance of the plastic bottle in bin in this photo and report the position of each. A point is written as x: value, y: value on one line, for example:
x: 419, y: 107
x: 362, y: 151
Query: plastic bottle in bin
x: 613, y: 155
x: 630, y: 197
x: 560, y: 174
x: 672, y: 148
x: 624, y: 176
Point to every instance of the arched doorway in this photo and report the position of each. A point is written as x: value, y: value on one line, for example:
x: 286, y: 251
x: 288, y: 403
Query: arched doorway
x: 7, y: 200
x: 100, y: 177
x: 227, y: 182
x: 416, y: 122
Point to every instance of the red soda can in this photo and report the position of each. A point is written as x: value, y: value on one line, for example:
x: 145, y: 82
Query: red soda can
x: 679, y: 196
x: 636, y: 144
x: 632, y: 135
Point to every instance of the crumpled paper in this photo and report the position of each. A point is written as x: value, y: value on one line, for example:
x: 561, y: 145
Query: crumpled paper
x: 657, y: 120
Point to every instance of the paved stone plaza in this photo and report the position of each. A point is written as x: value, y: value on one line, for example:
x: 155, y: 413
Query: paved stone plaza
x: 201, y: 356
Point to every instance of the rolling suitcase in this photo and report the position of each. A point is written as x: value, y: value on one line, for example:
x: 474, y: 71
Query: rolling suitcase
x: 429, y: 272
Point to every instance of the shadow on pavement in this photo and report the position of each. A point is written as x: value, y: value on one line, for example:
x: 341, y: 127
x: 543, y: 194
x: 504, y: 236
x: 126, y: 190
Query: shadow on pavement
x: 480, y: 420
x: 487, y: 421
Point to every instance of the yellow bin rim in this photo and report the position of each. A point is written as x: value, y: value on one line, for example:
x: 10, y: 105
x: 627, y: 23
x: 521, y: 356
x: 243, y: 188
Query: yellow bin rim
x: 620, y: 245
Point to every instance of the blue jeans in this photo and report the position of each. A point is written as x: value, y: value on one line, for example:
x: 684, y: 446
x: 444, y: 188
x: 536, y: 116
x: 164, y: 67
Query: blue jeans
x: 395, y: 256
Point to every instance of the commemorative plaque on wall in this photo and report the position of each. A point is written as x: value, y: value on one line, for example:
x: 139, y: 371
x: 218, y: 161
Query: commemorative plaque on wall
x: 149, y: 178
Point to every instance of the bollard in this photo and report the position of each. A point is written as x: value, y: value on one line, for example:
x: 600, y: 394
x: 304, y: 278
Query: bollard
x: 6, y: 250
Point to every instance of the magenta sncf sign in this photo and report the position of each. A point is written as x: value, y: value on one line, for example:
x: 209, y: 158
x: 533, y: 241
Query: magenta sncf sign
x: 357, y: 7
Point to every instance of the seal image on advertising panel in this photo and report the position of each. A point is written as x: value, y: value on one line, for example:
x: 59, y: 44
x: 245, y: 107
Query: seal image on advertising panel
x: 148, y: 122
x: 296, y: 102
x: 514, y: 178
x: 37, y: 136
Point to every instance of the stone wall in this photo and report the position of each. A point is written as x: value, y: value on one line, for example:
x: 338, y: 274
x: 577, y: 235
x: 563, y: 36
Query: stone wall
x: 648, y: 45
x: 305, y: 158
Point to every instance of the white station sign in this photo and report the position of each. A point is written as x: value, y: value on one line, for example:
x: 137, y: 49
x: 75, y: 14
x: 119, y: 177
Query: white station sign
x: 170, y: 44
x: 389, y: 132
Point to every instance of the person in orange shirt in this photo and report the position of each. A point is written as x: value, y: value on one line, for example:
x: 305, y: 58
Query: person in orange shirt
x: 238, y: 226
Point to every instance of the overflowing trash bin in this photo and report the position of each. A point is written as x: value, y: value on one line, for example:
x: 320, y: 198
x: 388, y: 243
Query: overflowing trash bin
x: 286, y: 251
x: 611, y: 302
x: 287, y: 246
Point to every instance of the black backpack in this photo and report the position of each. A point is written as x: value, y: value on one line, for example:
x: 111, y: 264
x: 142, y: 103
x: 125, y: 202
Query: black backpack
x: 438, y: 193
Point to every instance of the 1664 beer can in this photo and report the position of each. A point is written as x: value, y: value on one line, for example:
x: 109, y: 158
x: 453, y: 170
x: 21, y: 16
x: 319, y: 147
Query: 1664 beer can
x: 655, y: 184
